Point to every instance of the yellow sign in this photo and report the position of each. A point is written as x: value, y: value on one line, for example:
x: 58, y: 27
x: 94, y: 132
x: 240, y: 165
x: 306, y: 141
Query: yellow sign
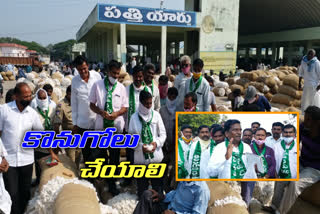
x: 219, y: 60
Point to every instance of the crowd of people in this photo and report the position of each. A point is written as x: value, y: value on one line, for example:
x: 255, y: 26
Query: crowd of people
x: 147, y: 107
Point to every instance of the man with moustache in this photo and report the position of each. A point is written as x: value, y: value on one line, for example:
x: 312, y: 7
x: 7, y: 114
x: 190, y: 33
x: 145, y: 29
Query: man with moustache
x: 148, y: 75
x: 276, y: 135
x: 16, y: 118
x: 217, y: 134
x: 190, y: 102
x: 200, y: 153
x: 247, y: 136
x: 227, y: 160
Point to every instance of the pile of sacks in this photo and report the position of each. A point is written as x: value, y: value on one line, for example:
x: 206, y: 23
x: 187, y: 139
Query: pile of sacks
x: 289, y: 93
x: 8, y: 75
x: 220, y: 89
x: 267, y: 83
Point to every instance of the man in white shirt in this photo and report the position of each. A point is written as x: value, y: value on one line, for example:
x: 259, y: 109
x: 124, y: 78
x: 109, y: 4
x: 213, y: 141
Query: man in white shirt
x: 83, y: 118
x: 16, y: 118
x: 309, y: 70
x: 5, y: 200
x: 228, y: 160
x: 200, y: 153
x: 276, y: 135
x: 199, y: 85
x: 212, y: 96
x: 184, y: 145
x: 148, y: 75
x: 109, y: 100
x: 148, y: 124
x: 180, y: 80
x: 286, y: 164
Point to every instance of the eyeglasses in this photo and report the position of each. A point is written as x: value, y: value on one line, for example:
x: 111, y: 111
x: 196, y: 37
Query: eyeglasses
x: 184, y: 65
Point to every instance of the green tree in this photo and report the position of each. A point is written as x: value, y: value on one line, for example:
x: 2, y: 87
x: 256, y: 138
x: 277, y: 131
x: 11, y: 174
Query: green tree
x: 62, y: 50
x: 196, y: 120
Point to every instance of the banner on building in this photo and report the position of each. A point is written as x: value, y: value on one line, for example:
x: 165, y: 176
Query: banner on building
x: 145, y: 16
x: 218, y: 61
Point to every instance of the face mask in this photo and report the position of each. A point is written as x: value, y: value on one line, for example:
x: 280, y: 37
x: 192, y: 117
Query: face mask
x: 112, y: 80
x: 25, y: 103
x: 171, y: 103
x: 186, y: 70
x: 143, y: 110
x: 185, y: 139
x: 259, y: 142
x: 43, y: 104
x: 189, y: 110
x: 288, y: 140
x: 196, y: 75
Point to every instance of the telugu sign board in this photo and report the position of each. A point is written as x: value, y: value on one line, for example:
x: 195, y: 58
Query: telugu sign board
x: 145, y: 16
x: 218, y: 61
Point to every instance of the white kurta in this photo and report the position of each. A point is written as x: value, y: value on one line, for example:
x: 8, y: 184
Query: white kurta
x: 186, y: 148
x: 205, y: 157
x: 155, y: 97
x: 159, y: 136
x: 271, y: 142
x: 219, y: 166
x: 203, y: 94
x: 5, y: 200
x: 180, y: 83
x: 311, y: 81
x: 279, y: 152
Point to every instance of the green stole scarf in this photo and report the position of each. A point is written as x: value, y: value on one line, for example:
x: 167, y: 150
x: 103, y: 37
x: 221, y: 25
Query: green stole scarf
x: 108, y: 105
x: 132, y: 101
x: 182, y: 171
x: 195, y: 165
x: 265, y: 163
x: 285, y: 171
x: 238, y: 169
x: 146, y: 135
x: 47, y: 122
x: 197, y: 85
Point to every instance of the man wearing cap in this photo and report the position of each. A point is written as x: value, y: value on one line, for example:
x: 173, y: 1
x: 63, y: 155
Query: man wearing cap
x: 252, y: 98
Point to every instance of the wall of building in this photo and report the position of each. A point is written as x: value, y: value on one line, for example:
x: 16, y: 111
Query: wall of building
x: 13, y: 52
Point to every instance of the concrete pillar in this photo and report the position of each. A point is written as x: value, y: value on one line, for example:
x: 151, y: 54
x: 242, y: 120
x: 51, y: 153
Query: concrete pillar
x: 290, y: 54
x: 247, y: 53
x: 123, y: 43
x: 177, y: 49
x: 307, y: 46
x: 185, y: 52
x: 163, y: 49
x: 274, y: 55
x: 258, y: 52
x: 115, y: 43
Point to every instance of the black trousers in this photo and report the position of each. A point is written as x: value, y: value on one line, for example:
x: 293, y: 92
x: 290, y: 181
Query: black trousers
x: 37, y: 156
x: 18, y: 184
x: 147, y: 206
x: 143, y: 184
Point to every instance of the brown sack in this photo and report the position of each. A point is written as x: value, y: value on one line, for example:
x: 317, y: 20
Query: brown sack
x: 66, y: 169
x: 258, y: 85
x: 274, y: 90
x: 288, y: 90
x: 268, y: 96
x: 76, y: 199
x: 219, y: 92
x: 220, y: 190
x: 11, y: 78
x: 252, y: 76
x: 291, y: 109
x: 235, y: 86
x: 243, y: 82
x: 291, y: 80
x: 282, y: 99
x: 270, y: 82
x: 296, y: 103
x: 301, y: 206
x: 9, y: 73
x: 310, y: 193
x: 5, y: 78
x: 3, y: 73
x: 231, y: 81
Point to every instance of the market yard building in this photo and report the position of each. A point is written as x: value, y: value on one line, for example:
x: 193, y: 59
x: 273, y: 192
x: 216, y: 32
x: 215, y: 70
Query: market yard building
x: 207, y: 29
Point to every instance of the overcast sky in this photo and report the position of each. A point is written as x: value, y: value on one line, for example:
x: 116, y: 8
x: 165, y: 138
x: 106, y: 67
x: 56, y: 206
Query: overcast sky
x: 265, y: 120
x: 52, y: 21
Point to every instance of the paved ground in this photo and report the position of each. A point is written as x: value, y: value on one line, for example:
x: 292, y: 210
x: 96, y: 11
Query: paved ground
x: 6, y: 86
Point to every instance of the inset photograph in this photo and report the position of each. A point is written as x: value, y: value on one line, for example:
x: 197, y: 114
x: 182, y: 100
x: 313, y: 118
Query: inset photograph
x: 240, y: 146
